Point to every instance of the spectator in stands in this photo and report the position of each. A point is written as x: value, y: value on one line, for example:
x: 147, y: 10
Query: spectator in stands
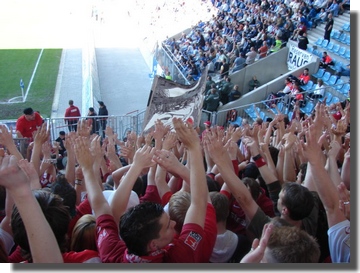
x: 287, y: 89
x: 320, y: 17
x: 212, y: 100
x: 304, y: 77
x: 224, y: 69
x: 276, y: 45
x: 326, y: 60
x: 225, y: 89
x: 344, y: 5
x: 239, y: 63
x: 93, y: 120
x: 263, y: 50
x: 72, y: 114
x: 29, y: 122
x: 319, y: 90
x: 60, y: 140
x: 103, y: 120
x: 328, y: 27
x: 253, y: 83
x: 341, y: 71
x: 333, y: 9
x: 235, y: 93
x: 250, y: 56
x: 303, y: 40
x: 301, y: 27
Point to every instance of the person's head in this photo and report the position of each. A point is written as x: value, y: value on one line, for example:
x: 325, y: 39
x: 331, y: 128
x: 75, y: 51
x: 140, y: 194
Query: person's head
x: 84, y: 234
x: 67, y: 192
x: 146, y: 228
x: 91, y: 109
x: 55, y: 212
x: 62, y: 134
x: 29, y: 113
x: 295, y: 201
x: 306, y: 71
x: 101, y: 104
x: 320, y: 82
x: 253, y: 186
x: 71, y: 102
x: 236, y: 87
x: 207, y: 124
x: 179, y: 203
x: 290, y: 244
x: 324, y: 54
x: 221, y: 205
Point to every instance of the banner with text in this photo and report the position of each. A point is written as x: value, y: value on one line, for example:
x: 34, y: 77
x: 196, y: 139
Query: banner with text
x: 297, y: 57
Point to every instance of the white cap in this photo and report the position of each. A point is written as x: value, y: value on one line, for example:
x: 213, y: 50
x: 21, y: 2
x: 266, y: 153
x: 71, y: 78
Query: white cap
x: 133, y: 200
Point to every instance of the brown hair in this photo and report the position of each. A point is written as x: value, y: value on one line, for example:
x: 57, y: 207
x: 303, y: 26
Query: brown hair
x: 84, y: 234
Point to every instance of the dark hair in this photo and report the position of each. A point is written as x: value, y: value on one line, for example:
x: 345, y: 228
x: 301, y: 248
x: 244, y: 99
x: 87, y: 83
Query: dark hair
x: 253, y: 186
x: 298, y: 200
x: 139, y: 225
x: 28, y: 111
x: 91, y: 109
x: 66, y: 191
x: 221, y: 205
x: 55, y: 213
x: 62, y: 133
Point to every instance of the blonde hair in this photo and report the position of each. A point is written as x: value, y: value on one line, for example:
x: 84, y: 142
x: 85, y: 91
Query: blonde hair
x: 178, y: 205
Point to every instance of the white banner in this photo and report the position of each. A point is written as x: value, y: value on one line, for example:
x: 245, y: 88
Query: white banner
x: 297, y: 57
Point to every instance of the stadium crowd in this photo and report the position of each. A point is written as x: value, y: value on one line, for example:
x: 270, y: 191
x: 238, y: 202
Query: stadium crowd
x: 273, y: 191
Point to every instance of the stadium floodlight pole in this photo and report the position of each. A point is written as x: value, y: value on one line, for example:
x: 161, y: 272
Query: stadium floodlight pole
x: 22, y: 85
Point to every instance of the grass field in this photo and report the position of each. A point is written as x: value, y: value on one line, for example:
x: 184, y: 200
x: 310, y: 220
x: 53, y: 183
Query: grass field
x: 20, y: 63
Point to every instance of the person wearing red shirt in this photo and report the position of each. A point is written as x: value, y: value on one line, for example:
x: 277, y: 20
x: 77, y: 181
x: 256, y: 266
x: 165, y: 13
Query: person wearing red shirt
x: 326, y: 60
x: 304, y: 77
x: 28, y: 123
x: 263, y: 50
x: 72, y: 114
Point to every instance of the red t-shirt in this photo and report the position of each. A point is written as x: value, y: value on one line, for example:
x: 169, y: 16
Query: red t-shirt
x: 27, y: 127
x: 72, y: 111
x: 193, y: 245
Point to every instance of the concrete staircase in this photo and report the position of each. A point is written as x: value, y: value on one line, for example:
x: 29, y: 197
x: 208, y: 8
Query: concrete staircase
x: 314, y: 34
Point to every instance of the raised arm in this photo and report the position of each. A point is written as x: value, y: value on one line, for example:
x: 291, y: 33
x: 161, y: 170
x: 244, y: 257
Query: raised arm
x: 43, y: 244
x: 198, y: 186
x: 7, y: 140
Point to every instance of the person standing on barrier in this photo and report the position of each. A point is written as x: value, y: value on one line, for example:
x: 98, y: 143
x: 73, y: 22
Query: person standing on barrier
x: 103, y: 120
x: 72, y: 114
x: 28, y: 123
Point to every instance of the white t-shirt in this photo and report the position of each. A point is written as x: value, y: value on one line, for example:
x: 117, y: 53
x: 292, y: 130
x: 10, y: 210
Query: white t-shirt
x: 339, y: 242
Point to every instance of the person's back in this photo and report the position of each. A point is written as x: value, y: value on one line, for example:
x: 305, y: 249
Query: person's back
x: 72, y: 114
x: 235, y: 93
x: 212, y: 100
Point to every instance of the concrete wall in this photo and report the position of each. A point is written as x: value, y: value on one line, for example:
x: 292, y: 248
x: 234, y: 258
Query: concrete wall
x: 271, y: 72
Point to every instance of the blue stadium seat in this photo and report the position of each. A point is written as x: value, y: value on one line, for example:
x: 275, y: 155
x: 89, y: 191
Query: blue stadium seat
x: 310, y: 49
x: 307, y: 109
x: 335, y: 34
x: 331, y: 81
x: 329, y: 46
x: 334, y: 100
x: 347, y: 53
x: 339, y: 84
x: 345, y: 89
x: 347, y: 40
x: 319, y: 41
x: 307, y: 86
x: 337, y: 65
x: 319, y: 73
x: 341, y: 51
x: 346, y: 26
x: 326, y: 76
x: 328, y: 96
x: 324, y: 43
x: 237, y: 121
x: 335, y: 49
x: 342, y: 38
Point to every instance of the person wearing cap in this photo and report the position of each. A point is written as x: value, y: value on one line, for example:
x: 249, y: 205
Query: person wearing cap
x: 28, y: 123
x: 207, y: 128
x: 103, y: 120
